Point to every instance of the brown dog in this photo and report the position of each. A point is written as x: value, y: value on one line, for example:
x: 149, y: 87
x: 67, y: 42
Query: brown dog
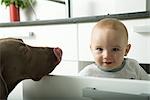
x: 19, y: 61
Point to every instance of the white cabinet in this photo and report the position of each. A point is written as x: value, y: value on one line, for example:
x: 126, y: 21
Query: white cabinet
x: 66, y: 68
x: 84, y: 35
x: 148, y: 45
x: 17, y: 93
x: 24, y: 33
x: 139, y: 41
x: 63, y: 36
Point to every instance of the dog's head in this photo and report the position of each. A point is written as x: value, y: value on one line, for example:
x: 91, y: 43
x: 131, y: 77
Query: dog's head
x: 31, y: 62
x: 19, y: 61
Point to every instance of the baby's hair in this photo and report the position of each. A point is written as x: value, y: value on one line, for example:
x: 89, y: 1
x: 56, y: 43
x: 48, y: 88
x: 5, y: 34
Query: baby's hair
x: 113, y: 23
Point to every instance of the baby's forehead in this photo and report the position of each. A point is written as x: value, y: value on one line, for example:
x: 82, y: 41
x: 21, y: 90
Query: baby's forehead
x: 112, y: 24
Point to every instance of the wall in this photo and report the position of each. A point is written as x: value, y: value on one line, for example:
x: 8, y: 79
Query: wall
x: 81, y: 8
x: 50, y: 10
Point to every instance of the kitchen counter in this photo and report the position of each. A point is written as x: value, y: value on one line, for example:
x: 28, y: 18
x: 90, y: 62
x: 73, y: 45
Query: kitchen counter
x: 123, y: 16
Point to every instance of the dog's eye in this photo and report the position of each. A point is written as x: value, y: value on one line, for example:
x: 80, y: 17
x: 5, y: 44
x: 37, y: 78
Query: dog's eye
x: 23, y: 44
x: 20, y: 40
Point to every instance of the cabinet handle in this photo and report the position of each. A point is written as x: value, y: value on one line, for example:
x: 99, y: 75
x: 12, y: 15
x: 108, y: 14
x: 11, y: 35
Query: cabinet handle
x: 29, y: 35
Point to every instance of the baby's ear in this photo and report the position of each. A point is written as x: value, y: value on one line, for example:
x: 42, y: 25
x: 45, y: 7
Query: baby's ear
x: 127, y: 49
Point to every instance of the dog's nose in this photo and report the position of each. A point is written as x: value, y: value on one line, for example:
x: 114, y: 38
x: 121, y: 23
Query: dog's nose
x: 58, y: 53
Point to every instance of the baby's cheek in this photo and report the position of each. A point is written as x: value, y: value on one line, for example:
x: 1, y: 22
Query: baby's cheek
x: 98, y: 61
x: 119, y: 60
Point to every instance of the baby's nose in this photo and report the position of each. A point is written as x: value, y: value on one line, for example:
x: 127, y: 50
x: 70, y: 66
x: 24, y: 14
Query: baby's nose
x: 107, y: 54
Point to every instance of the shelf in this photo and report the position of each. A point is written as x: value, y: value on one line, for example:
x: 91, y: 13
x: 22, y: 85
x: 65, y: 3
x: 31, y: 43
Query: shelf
x: 124, y: 16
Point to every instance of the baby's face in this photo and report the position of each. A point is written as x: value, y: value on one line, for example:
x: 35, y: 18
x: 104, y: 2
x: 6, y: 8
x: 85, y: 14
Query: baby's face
x: 108, y: 47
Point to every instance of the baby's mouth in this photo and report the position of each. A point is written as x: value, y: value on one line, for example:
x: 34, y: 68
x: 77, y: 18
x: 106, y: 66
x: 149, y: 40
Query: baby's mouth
x: 108, y: 63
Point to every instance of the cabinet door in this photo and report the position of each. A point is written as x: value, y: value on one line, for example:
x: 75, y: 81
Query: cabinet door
x: 25, y: 33
x: 66, y: 68
x: 17, y: 93
x: 84, y: 35
x: 63, y: 36
x: 139, y: 41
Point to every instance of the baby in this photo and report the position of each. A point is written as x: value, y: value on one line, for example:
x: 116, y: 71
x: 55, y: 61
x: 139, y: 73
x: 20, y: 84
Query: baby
x: 109, y: 45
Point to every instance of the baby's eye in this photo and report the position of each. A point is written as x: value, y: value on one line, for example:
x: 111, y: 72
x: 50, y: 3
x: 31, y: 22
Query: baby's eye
x: 99, y: 49
x: 115, y: 49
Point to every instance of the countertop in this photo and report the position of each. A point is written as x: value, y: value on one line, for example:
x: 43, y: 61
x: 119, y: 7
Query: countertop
x: 123, y: 16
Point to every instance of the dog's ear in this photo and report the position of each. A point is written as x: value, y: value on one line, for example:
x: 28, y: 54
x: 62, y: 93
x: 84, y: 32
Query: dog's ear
x: 3, y: 85
x: 16, y: 39
x: 3, y: 88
